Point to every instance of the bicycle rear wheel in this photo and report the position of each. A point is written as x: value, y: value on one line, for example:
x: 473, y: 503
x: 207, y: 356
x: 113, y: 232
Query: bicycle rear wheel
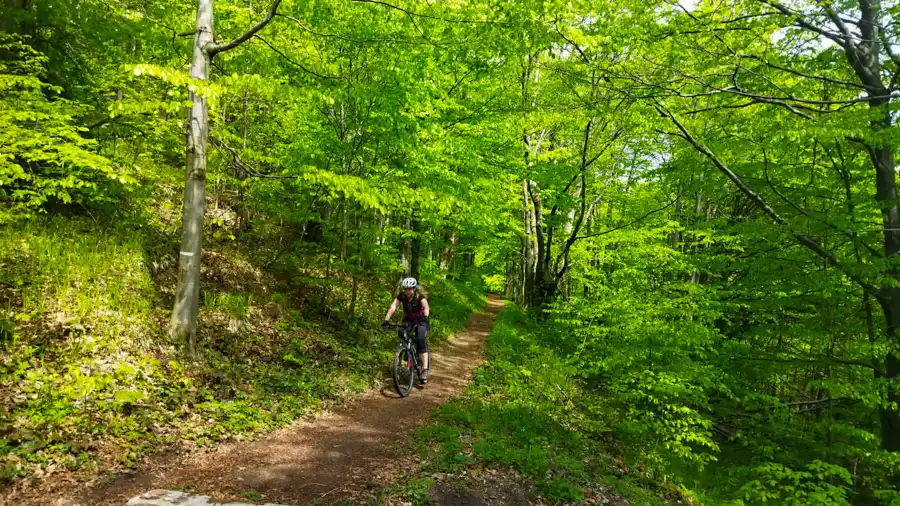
x: 402, y: 371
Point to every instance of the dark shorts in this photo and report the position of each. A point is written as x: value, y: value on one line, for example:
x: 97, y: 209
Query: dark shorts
x: 421, y: 333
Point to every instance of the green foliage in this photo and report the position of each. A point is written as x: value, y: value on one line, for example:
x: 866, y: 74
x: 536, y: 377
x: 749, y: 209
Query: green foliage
x: 697, y: 181
x: 410, y: 490
x: 520, y: 413
x: 95, y: 382
x: 495, y: 283
x: 663, y: 370
x: 235, y: 304
x: 416, y: 491
x: 44, y: 157
x: 820, y: 483
x: 454, y: 303
x: 7, y: 330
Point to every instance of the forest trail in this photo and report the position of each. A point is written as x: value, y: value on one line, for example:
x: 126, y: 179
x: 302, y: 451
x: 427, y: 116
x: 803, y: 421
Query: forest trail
x: 332, y: 457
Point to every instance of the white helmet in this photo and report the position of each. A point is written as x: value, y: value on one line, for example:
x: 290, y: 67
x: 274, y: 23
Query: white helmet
x: 410, y: 283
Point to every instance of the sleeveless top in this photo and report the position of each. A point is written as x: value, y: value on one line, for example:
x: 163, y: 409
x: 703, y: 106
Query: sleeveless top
x: 412, y: 307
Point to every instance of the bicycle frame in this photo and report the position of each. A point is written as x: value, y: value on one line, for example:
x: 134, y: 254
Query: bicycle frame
x: 408, y: 341
x: 410, y: 363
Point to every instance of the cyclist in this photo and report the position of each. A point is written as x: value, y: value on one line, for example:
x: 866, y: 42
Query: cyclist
x: 415, y: 308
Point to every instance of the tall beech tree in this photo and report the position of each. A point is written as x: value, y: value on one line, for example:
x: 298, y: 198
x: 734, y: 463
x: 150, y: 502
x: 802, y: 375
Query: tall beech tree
x: 187, y: 298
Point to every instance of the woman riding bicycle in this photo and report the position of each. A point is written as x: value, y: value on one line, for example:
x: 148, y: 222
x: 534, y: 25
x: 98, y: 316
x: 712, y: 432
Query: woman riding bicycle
x: 416, y: 310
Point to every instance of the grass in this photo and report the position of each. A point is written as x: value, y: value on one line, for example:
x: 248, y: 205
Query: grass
x: 519, y: 415
x: 412, y: 491
x: 89, y: 380
x: 451, y: 303
x: 56, y: 265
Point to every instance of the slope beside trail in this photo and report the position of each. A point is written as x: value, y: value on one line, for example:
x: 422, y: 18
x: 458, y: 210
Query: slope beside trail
x: 332, y: 457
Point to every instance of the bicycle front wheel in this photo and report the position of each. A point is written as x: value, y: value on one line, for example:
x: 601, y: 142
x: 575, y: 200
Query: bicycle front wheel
x: 402, y: 371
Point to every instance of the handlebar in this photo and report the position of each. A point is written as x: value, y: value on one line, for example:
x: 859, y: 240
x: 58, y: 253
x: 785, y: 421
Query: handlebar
x: 395, y: 326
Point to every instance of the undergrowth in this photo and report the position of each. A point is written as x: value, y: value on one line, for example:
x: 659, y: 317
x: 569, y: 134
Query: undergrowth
x: 89, y: 381
x: 520, y: 415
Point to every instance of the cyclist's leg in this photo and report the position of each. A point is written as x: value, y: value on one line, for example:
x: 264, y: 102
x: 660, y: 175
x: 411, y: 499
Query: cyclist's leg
x: 408, y: 326
x: 422, y: 343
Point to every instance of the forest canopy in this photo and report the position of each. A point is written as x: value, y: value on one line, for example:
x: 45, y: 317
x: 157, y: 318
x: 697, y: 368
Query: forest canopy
x: 695, y: 202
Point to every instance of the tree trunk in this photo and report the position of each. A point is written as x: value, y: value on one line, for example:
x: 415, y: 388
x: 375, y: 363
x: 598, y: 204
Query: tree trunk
x: 563, y: 256
x: 675, y: 237
x: 889, y: 298
x: 353, y: 296
x: 382, y: 222
x: 323, y: 303
x: 588, y: 229
x: 405, y: 249
x: 544, y: 283
x: 528, y: 250
x: 183, y: 324
x: 315, y: 229
x: 695, y: 274
x: 539, y: 277
x: 8, y: 22
x: 864, y: 58
x: 415, y: 249
x: 360, y: 265
x: 452, y: 238
x: 344, y: 230
x: 241, y: 209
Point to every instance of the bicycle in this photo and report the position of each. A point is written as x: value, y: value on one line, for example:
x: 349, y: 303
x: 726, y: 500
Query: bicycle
x: 406, y: 360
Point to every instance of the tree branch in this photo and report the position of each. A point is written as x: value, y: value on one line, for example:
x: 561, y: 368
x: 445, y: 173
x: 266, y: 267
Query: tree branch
x: 347, y: 39
x: 294, y: 62
x: 803, y: 23
x: 576, y: 46
x: 760, y: 203
x: 803, y: 74
x: 577, y: 227
x: 838, y: 22
x: 630, y: 223
x: 800, y: 360
x: 249, y: 170
x: 427, y: 16
x: 753, y: 196
x: 459, y: 82
x: 853, y: 237
x: 873, y: 155
x: 886, y: 44
x: 602, y: 151
x: 220, y: 48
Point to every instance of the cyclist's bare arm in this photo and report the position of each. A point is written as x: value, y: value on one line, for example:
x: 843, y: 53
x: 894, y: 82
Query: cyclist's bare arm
x: 425, y: 307
x: 393, y: 308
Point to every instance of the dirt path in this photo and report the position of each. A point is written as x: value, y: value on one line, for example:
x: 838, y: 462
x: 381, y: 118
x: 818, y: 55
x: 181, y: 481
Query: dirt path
x: 332, y: 457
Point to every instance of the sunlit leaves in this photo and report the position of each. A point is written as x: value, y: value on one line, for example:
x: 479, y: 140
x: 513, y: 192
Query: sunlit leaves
x: 43, y: 156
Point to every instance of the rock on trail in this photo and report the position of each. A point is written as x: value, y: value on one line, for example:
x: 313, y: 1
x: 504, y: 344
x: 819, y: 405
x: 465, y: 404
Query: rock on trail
x: 175, y: 498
